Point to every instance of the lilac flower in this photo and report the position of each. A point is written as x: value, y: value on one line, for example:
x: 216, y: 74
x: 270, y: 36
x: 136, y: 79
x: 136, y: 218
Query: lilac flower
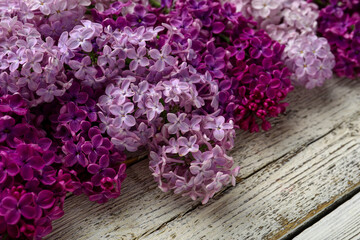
x: 101, y: 170
x: 154, y: 108
x: 162, y: 58
x: 16, y: 208
x: 260, y: 47
x: 238, y: 50
x: 141, y: 17
x: 138, y: 58
x: 42, y: 5
x: 82, y: 68
x: 108, y: 57
x: 305, y: 66
x: 7, y: 168
x: 187, y: 145
x: 214, y: 66
x: 202, y: 170
x: 75, y: 95
x: 268, y: 85
x: 81, y: 38
x: 73, y: 116
x: 177, y: 123
x: 49, y: 93
x: 74, y: 154
x: 219, y: 125
x: 264, y: 6
x: 17, y: 59
x: 122, y: 114
x: 33, y: 61
x: 6, y: 125
x: 140, y: 90
x: 96, y: 148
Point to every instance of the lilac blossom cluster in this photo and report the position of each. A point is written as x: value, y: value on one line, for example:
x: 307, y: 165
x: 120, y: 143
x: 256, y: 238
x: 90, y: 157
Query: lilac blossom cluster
x: 339, y: 23
x: 294, y: 24
x: 95, y: 166
x: 159, y: 101
x: 246, y: 64
x: 32, y: 190
x: 30, y: 66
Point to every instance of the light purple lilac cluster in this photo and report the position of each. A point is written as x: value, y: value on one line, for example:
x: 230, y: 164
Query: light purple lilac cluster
x: 159, y: 101
x: 339, y: 23
x: 32, y: 189
x: 294, y: 24
x: 29, y: 66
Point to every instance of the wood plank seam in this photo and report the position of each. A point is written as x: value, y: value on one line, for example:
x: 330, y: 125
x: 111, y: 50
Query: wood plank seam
x: 322, y: 214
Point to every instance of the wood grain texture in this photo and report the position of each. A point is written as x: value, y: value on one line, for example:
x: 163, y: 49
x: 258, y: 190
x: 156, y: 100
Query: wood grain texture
x: 280, y: 197
x: 341, y: 224
x: 273, y: 165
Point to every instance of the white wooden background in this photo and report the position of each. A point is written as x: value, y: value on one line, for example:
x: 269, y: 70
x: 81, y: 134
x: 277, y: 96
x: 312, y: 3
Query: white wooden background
x: 296, y: 180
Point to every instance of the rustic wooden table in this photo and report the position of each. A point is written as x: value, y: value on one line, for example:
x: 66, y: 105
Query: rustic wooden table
x: 301, y: 179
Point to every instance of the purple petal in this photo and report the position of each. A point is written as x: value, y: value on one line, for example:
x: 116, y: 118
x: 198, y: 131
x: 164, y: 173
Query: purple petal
x: 219, y: 134
x: 9, y: 203
x: 130, y: 120
x: 44, y: 143
x: 218, y: 27
x: 70, y: 160
x: 36, y: 163
x: 104, y: 161
x: 12, y: 169
x: 27, y: 172
x: 87, y: 147
x: 93, y: 168
x: 75, y: 126
x: 12, y: 217
x: 45, y: 199
x: 82, y: 160
x: 26, y: 199
x: 97, y: 140
x: 28, y: 212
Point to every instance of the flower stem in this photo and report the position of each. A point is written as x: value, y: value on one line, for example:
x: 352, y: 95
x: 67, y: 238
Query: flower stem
x: 225, y: 38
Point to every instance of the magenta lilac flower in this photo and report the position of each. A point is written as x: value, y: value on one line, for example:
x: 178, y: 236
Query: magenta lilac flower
x: 32, y: 191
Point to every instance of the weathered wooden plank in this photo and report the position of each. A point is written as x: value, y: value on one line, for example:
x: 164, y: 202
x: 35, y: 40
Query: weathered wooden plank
x: 280, y: 197
x: 341, y: 224
x: 143, y: 208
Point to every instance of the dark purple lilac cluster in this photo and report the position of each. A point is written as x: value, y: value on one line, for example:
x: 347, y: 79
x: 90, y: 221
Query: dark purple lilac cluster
x: 96, y: 167
x: 339, y: 23
x: 32, y: 189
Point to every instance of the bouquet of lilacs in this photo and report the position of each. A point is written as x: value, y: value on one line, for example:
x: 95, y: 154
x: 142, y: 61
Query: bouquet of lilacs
x: 339, y: 23
x: 294, y: 23
x: 83, y: 83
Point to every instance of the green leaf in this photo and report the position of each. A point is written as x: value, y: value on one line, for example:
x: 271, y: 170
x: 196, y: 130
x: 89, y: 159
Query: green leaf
x: 155, y: 3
